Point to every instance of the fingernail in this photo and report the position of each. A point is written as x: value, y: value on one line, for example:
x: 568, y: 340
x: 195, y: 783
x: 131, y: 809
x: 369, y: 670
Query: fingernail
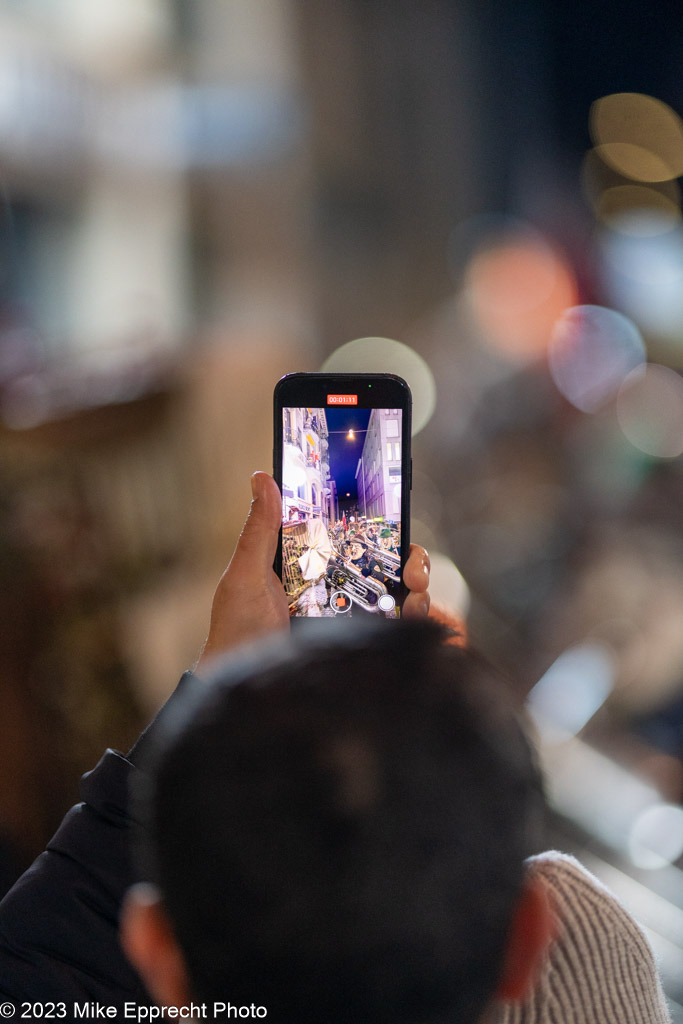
x: 255, y: 485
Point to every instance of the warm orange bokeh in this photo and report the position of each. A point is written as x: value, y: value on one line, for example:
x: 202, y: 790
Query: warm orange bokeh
x: 517, y: 289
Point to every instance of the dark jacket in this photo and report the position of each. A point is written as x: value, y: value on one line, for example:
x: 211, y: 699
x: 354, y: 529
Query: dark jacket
x: 59, y: 923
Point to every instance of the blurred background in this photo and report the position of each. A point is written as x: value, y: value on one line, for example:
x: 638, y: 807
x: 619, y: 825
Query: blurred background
x: 197, y: 196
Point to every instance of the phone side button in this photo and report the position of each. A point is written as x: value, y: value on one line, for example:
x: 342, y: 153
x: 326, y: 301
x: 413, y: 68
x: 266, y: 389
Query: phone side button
x: 411, y: 475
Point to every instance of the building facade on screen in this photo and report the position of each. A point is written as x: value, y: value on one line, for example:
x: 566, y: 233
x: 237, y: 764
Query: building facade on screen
x: 307, y: 493
x: 379, y: 467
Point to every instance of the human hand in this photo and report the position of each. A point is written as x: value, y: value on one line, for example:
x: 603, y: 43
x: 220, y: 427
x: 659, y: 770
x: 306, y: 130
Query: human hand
x: 416, y: 579
x: 250, y: 600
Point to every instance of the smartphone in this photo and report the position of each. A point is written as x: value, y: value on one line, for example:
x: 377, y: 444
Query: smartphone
x: 342, y: 462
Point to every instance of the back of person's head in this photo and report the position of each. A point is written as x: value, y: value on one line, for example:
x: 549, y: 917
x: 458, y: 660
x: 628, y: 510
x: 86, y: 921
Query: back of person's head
x: 338, y: 828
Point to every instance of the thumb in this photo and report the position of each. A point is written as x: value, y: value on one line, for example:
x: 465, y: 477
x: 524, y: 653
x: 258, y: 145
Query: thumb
x: 258, y: 540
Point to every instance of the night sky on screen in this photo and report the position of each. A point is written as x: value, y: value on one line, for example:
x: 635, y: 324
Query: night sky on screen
x: 344, y: 454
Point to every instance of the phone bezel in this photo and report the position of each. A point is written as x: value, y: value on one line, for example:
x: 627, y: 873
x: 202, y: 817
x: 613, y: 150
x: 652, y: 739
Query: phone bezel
x: 374, y: 390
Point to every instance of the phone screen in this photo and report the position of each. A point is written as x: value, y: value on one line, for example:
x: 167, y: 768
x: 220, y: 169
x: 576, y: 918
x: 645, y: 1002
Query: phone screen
x: 342, y: 504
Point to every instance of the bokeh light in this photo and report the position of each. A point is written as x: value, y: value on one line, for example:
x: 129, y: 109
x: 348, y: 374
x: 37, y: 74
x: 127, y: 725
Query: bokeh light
x: 650, y: 411
x: 591, y: 351
x: 644, y: 278
x: 656, y: 837
x: 638, y: 210
x: 638, y: 135
x: 383, y: 355
x: 567, y: 696
x: 422, y: 533
x: 634, y: 161
x: 516, y: 286
x: 447, y: 586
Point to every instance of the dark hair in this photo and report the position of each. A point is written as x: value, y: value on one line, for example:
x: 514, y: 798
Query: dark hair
x: 338, y: 828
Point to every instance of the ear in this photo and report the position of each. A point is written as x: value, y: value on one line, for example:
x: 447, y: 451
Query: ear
x: 530, y: 934
x: 150, y: 945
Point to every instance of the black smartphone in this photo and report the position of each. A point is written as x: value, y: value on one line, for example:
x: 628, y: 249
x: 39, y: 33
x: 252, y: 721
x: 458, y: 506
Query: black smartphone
x: 342, y: 462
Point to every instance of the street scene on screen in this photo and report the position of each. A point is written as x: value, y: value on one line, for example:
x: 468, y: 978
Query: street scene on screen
x: 341, y: 510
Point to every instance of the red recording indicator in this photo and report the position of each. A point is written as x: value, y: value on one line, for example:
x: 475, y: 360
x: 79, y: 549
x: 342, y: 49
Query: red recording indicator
x: 342, y: 399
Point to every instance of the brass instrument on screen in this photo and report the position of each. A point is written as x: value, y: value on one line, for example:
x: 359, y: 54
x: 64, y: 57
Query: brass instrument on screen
x: 364, y: 590
x: 389, y: 563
